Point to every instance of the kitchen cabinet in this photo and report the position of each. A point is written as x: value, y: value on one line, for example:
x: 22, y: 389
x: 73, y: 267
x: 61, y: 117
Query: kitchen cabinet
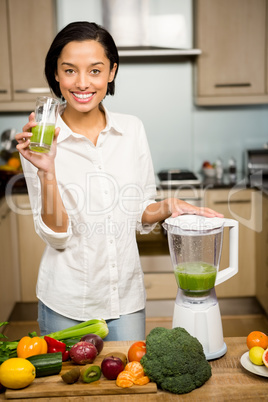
x: 30, y: 248
x: 262, y: 257
x: 242, y: 205
x: 9, y: 283
x: 27, y: 29
x: 233, y: 36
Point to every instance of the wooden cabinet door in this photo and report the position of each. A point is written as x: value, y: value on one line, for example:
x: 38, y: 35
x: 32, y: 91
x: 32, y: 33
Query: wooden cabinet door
x: 262, y: 258
x: 240, y: 206
x: 232, y: 37
x: 31, y: 248
x: 9, y: 282
x: 32, y: 28
x: 5, y: 83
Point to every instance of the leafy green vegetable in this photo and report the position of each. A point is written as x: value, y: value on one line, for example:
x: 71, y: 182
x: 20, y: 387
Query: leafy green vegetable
x: 1, y: 325
x: 175, y: 360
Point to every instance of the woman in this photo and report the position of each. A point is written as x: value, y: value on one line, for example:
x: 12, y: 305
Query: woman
x: 91, y: 193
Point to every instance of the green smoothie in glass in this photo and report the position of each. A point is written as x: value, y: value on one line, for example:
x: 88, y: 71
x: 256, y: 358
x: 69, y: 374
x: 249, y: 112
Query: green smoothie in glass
x: 42, y: 137
x: 195, y: 277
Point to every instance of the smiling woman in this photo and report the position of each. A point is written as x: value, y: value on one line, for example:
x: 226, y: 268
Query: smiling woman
x: 98, y: 176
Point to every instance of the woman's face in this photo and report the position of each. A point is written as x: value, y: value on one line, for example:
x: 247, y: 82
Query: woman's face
x: 83, y: 73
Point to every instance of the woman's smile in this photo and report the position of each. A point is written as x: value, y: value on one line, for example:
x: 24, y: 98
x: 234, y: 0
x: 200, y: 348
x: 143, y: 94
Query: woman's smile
x: 83, y: 97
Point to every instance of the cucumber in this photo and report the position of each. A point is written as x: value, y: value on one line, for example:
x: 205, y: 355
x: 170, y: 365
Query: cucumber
x: 47, y: 363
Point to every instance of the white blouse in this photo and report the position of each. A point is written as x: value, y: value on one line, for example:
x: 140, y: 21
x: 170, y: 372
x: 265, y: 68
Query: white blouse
x: 93, y: 270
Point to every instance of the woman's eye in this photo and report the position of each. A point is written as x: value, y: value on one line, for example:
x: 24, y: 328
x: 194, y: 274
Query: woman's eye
x: 69, y: 71
x: 95, y: 71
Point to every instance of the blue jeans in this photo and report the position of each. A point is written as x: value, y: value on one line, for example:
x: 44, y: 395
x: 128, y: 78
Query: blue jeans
x: 130, y: 327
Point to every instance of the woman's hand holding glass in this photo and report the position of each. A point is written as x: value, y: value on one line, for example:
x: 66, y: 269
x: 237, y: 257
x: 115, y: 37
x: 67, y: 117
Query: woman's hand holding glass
x: 42, y: 161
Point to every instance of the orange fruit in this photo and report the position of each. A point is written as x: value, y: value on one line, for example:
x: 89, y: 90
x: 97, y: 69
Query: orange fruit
x: 257, y: 338
x: 136, y: 369
x: 125, y: 379
x: 14, y: 163
x: 142, y: 380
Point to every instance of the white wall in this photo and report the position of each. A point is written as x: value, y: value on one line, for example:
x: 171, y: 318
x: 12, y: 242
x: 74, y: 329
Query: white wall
x: 179, y: 133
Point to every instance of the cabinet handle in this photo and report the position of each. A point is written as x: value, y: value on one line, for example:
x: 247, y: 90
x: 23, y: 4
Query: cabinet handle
x: 3, y: 91
x: 32, y: 91
x: 242, y: 84
x: 232, y: 202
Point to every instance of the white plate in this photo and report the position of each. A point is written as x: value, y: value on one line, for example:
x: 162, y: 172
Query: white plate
x: 259, y: 370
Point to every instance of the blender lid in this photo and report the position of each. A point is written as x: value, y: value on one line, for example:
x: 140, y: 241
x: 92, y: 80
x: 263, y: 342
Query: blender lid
x: 193, y: 223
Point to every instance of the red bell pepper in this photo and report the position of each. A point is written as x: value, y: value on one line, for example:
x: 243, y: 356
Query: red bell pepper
x: 54, y: 346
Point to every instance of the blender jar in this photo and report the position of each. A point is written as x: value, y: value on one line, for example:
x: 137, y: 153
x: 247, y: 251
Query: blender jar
x: 195, y: 244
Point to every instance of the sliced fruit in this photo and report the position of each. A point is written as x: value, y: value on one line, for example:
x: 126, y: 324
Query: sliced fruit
x: 16, y: 373
x: 136, y: 369
x: 265, y: 357
x: 142, y: 380
x: 90, y: 373
x: 125, y: 379
x: 255, y: 355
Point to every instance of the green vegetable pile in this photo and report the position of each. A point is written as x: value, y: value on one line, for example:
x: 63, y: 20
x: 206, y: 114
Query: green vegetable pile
x: 175, y: 360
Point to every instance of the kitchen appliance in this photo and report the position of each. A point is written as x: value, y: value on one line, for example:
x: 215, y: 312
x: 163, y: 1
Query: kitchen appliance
x: 173, y: 178
x: 7, y: 140
x: 257, y: 167
x: 195, y: 244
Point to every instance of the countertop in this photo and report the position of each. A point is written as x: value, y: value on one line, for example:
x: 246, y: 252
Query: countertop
x: 229, y: 382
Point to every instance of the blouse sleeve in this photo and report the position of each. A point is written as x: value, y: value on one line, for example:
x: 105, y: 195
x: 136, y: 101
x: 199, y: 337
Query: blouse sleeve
x: 57, y: 240
x: 147, y: 179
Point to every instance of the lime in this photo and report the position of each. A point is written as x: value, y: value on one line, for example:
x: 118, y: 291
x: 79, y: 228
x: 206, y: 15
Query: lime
x: 255, y: 355
x: 16, y: 373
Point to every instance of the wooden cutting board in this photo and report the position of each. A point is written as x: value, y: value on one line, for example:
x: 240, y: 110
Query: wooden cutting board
x: 53, y: 386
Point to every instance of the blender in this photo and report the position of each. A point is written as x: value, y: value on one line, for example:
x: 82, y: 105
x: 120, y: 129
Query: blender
x: 195, y: 244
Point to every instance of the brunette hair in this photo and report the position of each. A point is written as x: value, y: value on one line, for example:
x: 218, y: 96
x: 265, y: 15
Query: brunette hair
x: 79, y: 31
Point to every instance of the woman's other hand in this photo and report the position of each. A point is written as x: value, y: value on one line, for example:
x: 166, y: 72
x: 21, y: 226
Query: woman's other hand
x: 179, y: 207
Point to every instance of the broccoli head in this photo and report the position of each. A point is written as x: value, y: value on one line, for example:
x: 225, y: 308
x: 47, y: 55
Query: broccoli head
x: 175, y: 360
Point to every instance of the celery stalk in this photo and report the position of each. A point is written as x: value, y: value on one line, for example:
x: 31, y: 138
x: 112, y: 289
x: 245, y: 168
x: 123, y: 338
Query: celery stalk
x: 98, y: 327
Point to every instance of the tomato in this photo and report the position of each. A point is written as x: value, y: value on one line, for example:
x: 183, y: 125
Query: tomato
x: 257, y: 338
x: 136, y: 351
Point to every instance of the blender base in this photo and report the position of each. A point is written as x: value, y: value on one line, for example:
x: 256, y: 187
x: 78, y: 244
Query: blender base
x: 203, y: 322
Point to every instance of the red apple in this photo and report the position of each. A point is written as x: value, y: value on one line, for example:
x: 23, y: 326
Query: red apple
x: 111, y: 366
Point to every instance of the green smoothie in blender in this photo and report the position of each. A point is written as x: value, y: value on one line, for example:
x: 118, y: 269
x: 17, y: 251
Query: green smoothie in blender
x: 195, y: 276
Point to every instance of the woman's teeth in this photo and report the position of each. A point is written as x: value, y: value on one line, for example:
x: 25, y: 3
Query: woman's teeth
x: 83, y: 96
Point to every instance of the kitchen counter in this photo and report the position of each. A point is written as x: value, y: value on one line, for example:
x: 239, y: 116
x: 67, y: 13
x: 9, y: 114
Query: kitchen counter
x: 229, y: 381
